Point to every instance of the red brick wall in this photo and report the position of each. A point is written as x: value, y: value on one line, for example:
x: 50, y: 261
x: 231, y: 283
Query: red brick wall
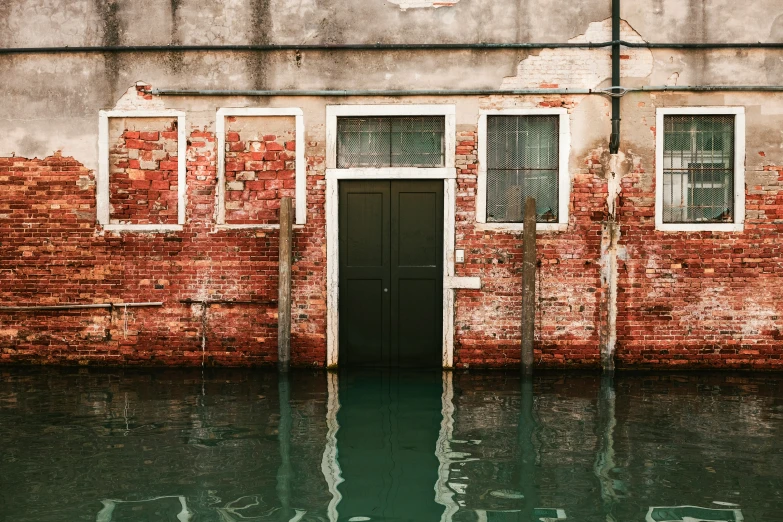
x: 143, y: 172
x: 568, y: 283
x: 701, y: 299
x: 684, y: 299
x: 52, y: 252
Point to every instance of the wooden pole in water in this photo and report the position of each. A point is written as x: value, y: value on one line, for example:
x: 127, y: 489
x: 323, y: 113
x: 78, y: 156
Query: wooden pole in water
x: 528, y: 285
x: 284, y: 286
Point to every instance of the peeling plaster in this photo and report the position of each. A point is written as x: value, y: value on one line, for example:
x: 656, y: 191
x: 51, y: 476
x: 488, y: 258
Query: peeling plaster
x: 21, y: 141
x: 582, y: 68
x: 611, y: 251
x: 132, y: 100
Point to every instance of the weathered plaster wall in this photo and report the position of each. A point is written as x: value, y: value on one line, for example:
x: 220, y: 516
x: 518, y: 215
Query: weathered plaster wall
x: 681, y: 298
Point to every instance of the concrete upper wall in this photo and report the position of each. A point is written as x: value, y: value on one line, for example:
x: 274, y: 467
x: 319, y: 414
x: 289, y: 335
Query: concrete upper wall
x: 93, y: 22
x: 51, y: 101
x: 126, y: 22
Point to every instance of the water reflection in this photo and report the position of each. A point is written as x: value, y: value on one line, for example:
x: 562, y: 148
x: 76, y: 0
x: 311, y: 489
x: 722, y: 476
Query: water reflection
x: 233, y: 446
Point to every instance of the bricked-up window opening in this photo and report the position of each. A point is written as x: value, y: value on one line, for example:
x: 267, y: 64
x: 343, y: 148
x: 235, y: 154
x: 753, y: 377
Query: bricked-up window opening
x: 391, y: 141
x: 698, y: 169
x: 143, y: 171
x: 522, y: 162
x: 260, y: 167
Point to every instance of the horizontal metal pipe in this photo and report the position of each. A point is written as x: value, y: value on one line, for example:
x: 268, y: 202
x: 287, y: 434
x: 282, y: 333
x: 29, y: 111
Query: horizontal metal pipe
x: 75, y: 306
x: 478, y: 46
x: 696, y: 45
x: 466, y: 92
x: 369, y: 92
x: 708, y: 88
x: 225, y: 301
x: 487, y: 46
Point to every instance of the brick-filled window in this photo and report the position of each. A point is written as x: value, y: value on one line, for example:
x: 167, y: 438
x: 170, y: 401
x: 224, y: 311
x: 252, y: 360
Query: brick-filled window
x: 260, y: 168
x: 260, y: 162
x: 522, y: 162
x: 141, y: 182
x: 700, y: 168
x: 390, y: 141
x: 143, y: 165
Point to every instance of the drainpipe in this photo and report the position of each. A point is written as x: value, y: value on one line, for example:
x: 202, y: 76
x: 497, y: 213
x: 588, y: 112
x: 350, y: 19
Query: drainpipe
x: 610, y: 234
x: 614, y: 140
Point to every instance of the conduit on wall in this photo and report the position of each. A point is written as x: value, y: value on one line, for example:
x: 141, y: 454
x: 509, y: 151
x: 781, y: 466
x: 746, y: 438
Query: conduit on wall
x: 615, y: 91
x: 478, y: 46
x: 76, y: 306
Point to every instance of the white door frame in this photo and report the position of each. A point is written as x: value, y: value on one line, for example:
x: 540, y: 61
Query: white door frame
x: 447, y: 173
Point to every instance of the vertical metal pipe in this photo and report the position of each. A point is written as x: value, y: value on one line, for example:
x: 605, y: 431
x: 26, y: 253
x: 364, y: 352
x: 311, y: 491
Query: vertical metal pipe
x: 614, y: 140
x: 284, y: 286
x: 528, y: 285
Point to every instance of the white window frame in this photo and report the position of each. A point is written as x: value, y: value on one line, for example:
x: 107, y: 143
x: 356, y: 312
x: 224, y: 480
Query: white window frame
x: 739, y: 170
x: 102, y: 196
x: 564, y: 177
x: 449, y: 176
x: 300, y: 167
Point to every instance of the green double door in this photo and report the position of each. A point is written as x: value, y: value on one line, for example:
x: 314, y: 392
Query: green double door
x: 391, y: 273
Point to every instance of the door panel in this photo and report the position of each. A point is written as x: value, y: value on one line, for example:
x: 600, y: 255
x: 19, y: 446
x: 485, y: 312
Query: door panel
x: 418, y: 227
x: 391, y: 263
x: 419, y: 322
x: 364, y: 273
x: 417, y: 272
x: 365, y: 230
x: 364, y: 306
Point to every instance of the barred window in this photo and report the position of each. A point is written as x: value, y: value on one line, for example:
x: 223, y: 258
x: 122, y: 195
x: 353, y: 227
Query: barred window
x: 698, y: 168
x: 391, y: 141
x: 522, y: 161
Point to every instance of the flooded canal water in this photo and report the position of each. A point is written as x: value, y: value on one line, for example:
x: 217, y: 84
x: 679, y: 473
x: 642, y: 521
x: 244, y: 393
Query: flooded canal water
x: 231, y: 446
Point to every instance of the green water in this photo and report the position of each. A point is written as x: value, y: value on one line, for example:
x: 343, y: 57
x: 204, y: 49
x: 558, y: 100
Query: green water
x: 243, y: 446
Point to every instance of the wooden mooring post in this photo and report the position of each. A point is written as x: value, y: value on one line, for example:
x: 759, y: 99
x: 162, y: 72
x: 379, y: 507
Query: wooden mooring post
x: 528, y: 285
x: 284, y: 285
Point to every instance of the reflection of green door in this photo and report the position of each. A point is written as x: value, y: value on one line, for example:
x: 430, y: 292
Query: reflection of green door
x: 391, y: 273
x: 388, y: 430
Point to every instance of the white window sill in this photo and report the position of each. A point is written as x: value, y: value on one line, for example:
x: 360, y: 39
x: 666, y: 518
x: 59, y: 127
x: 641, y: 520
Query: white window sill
x: 251, y: 226
x: 519, y: 227
x: 143, y: 228
x: 700, y: 227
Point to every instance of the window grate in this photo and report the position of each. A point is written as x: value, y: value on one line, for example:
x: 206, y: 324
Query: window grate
x: 390, y: 141
x: 522, y: 161
x: 698, y: 169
